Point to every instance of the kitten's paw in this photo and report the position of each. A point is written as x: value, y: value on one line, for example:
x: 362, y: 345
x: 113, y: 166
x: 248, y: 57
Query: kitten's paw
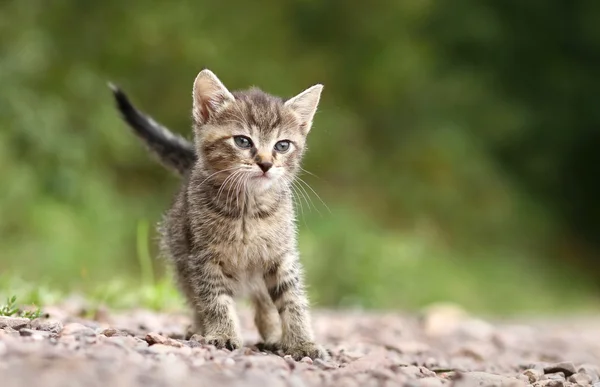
x: 306, y: 349
x: 220, y: 342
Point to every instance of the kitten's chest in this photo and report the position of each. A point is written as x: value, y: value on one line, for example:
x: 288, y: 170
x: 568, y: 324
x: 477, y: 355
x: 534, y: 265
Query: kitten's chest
x: 247, y: 243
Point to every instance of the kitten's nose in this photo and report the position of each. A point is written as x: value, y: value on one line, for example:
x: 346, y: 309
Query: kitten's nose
x: 265, y: 165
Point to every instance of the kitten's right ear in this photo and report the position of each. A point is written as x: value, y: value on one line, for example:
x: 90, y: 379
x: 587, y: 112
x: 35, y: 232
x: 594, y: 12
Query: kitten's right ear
x: 209, y: 95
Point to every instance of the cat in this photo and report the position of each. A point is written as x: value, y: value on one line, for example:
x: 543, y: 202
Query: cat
x: 231, y: 229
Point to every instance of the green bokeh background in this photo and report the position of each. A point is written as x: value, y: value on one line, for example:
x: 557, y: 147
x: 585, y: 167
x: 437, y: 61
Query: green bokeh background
x: 456, y: 145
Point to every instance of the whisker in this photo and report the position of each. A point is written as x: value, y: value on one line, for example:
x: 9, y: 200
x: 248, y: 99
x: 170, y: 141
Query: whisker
x: 223, y: 170
x: 232, y: 189
x: 238, y: 187
x: 294, y: 195
x: 305, y: 196
x: 309, y: 172
x: 316, y: 194
x: 225, y: 182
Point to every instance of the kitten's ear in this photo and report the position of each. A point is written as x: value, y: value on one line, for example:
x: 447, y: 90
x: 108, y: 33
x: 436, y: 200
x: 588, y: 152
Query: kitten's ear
x: 209, y: 96
x: 305, y: 105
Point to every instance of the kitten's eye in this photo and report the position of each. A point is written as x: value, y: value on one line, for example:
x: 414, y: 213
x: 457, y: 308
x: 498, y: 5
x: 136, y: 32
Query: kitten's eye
x: 242, y: 142
x: 282, y: 146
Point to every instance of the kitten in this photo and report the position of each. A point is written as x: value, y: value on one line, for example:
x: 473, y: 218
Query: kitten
x: 231, y: 229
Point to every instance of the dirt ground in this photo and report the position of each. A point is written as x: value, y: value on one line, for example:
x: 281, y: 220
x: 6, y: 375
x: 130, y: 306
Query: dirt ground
x: 443, y: 346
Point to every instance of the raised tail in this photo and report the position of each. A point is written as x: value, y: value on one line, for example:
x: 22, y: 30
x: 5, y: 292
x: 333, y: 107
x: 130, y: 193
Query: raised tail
x: 173, y: 151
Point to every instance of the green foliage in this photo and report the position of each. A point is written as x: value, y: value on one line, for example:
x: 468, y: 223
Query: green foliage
x: 455, y: 144
x: 11, y: 309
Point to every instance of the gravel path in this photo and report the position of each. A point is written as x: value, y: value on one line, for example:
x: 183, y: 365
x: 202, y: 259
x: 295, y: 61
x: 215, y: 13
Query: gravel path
x: 441, y: 347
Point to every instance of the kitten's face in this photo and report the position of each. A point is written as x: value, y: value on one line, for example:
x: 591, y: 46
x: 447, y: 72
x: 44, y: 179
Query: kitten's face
x: 251, y: 140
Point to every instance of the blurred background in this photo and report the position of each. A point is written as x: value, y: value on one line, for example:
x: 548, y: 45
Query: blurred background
x: 456, y: 147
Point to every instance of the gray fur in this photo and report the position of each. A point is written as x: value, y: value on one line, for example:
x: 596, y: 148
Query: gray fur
x: 231, y: 229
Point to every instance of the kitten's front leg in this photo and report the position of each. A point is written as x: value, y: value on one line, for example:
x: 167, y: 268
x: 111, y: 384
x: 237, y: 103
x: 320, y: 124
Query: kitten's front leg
x: 287, y: 292
x: 214, y: 300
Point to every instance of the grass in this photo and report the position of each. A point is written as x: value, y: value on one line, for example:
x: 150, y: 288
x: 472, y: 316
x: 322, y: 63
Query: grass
x: 11, y: 309
x: 351, y: 262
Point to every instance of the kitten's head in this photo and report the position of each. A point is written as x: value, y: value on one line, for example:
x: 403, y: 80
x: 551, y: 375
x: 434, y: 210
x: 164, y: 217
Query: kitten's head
x: 255, y: 136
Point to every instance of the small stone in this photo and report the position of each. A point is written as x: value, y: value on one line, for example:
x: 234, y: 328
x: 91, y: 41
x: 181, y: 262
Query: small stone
x: 442, y: 319
x: 76, y: 329
x: 45, y: 325
x: 567, y: 368
x: 383, y: 374
x: 591, y: 370
x: 306, y: 360
x: 467, y: 379
x: 412, y: 371
x: 580, y: 379
x: 8, y: 331
x: 110, y: 332
x: 33, y: 333
x: 198, y: 338
x: 550, y: 383
x: 556, y: 376
x: 325, y: 365
x: 155, y: 338
x: 430, y: 382
x: 533, y: 374
x: 290, y: 361
x: 426, y: 371
x: 16, y: 323
x: 159, y: 348
x: 229, y: 362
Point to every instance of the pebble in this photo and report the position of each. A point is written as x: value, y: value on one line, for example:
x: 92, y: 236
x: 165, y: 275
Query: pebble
x: 362, y: 356
x: 591, y: 370
x: 325, y: 365
x: 427, y: 372
x: 533, y: 374
x: 16, y: 323
x: 580, y: 379
x: 46, y: 325
x: 306, y: 360
x: 8, y: 331
x: 567, y: 368
x: 160, y: 348
x: 110, y: 332
x: 549, y: 383
x: 431, y: 382
x: 39, y: 335
x: 290, y: 361
x: 556, y: 376
x: 413, y: 371
x: 468, y: 379
x: 155, y: 338
x: 76, y: 329
x: 198, y: 339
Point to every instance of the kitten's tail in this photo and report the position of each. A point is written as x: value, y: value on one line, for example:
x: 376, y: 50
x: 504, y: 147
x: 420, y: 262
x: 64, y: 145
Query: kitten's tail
x: 173, y: 151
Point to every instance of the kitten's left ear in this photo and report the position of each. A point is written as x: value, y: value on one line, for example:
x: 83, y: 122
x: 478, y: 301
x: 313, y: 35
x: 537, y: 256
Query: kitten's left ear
x: 305, y: 105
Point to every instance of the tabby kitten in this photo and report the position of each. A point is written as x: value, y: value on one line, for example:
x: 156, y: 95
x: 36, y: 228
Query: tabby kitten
x: 231, y: 229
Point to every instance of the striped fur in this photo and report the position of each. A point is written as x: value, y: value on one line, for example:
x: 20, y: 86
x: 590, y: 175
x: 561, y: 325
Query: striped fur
x: 231, y: 229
